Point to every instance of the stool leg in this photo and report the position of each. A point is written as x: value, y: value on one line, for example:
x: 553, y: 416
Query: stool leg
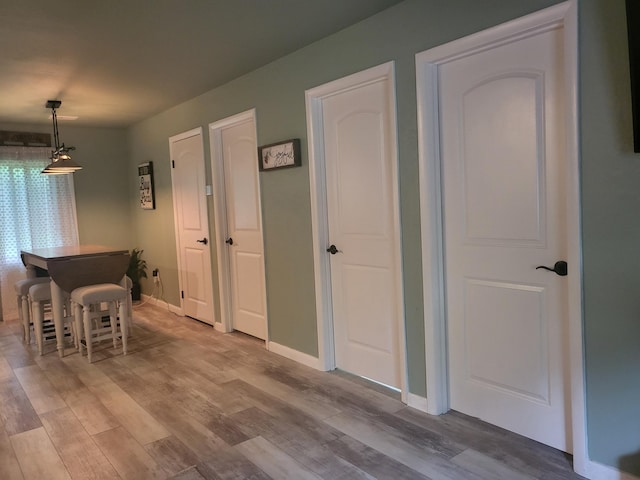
x: 129, y: 312
x: 113, y: 321
x: 124, y: 325
x: 19, y: 298
x: 26, y: 319
x: 86, y: 317
x: 37, y: 311
x: 77, y: 318
x: 70, y: 320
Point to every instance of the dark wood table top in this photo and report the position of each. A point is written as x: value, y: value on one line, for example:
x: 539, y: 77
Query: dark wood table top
x: 76, y: 266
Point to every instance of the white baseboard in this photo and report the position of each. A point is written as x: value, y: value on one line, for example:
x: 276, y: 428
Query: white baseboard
x: 160, y: 304
x: 599, y: 471
x: 294, y: 355
x: 417, y: 402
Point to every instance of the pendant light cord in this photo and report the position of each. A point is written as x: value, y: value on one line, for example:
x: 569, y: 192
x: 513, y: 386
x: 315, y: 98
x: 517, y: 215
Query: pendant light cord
x: 56, y: 138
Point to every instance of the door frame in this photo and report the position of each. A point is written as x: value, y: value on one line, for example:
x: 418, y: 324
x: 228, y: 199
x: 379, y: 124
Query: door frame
x: 320, y: 218
x: 431, y: 204
x: 220, y: 218
x: 176, y: 227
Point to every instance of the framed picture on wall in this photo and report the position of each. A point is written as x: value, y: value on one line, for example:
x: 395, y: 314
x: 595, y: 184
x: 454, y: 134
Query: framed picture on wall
x: 145, y: 186
x: 280, y: 155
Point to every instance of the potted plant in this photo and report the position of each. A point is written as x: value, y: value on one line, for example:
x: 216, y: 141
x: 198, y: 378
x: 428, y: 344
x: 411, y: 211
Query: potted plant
x: 136, y: 271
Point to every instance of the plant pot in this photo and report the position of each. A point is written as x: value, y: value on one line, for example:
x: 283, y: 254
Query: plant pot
x: 136, y: 292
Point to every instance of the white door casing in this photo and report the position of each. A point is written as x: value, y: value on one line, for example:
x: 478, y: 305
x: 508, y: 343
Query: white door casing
x: 241, y: 273
x: 355, y: 205
x: 437, y: 146
x: 191, y: 225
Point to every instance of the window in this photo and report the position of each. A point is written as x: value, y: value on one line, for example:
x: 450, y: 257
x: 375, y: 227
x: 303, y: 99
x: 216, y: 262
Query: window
x: 36, y: 211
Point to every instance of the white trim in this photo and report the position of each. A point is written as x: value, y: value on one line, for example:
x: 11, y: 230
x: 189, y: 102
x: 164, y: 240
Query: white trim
x: 427, y: 65
x: 295, y: 355
x: 574, y: 247
x: 319, y: 214
x: 599, y: 471
x: 220, y: 217
x: 156, y: 302
x: 417, y: 401
x: 176, y: 227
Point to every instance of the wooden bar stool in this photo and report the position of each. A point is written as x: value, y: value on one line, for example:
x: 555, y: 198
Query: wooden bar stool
x: 40, y: 298
x: 22, y: 292
x: 87, y: 307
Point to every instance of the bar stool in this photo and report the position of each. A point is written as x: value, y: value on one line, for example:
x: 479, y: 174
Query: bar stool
x: 40, y: 298
x: 22, y: 292
x: 87, y: 307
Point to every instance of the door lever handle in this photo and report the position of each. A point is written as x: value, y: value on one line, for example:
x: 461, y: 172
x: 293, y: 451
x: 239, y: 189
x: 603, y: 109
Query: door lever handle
x: 332, y: 250
x: 204, y: 241
x: 560, y: 268
x: 229, y: 241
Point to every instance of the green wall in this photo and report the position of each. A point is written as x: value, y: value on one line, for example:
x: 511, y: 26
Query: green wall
x: 277, y: 92
x: 610, y: 174
x: 102, y: 188
x: 611, y: 237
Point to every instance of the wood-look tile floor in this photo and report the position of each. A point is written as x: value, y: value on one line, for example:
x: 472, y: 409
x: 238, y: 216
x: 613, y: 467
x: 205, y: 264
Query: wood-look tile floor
x: 191, y: 403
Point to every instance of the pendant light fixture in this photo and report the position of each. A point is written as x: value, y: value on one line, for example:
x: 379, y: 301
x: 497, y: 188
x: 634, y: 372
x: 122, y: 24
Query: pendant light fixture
x: 61, y: 162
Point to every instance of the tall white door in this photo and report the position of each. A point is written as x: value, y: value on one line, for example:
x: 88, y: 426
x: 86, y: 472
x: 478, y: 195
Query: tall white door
x: 502, y: 132
x: 192, y: 225
x: 359, y: 148
x: 243, y: 239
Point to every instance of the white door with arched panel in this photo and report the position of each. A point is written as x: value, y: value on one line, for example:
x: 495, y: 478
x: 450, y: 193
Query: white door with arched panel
x: 234, y: 164
x: 496, y: 135
x: 356, y: 225
x: 192, y: 224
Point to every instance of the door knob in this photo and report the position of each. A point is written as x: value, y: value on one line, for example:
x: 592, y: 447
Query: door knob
x: 332, y: 250
x: 204, y: 240
x: 560, y: 268
x: 229, y: 241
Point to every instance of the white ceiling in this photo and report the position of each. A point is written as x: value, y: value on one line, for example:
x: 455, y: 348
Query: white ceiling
x: 115, y: 62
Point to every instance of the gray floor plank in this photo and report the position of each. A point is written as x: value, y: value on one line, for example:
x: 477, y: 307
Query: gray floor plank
x: 191, y: 403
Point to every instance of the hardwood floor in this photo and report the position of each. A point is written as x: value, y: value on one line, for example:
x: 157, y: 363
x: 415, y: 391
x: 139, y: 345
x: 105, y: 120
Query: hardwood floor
x: 190, y: 403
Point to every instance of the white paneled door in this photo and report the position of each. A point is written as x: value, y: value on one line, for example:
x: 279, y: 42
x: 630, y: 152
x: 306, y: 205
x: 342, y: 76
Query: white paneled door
x: 503, y: 144
x: 359, y: 152
x: 192, y: 225
x: 235, y: 162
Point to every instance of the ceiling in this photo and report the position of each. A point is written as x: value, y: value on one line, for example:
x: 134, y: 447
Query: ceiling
x: 113, y: 63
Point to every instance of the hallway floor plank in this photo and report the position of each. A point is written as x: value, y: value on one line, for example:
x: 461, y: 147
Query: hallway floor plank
x: 188, y: 402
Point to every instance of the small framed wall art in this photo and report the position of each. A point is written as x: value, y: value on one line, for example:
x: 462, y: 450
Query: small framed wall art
x: 145, y: 186
x: 280, y: 155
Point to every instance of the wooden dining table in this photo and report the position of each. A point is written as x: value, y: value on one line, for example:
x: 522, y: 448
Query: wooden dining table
x: 75, y: 266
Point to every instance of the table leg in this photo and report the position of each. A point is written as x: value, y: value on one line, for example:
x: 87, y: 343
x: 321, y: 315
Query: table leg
x: 57, y: 309
x: 31, y: 271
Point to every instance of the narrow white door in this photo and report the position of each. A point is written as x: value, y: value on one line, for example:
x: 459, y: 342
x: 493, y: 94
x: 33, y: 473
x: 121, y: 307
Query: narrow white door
x: 502, y: 126
x: 359, y: 143
x: 192, y: 225
x: 243, y: 236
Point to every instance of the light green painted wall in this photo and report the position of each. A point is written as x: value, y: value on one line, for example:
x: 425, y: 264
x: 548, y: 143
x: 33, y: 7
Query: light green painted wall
x: 611, y: 237
x: 153, y: 230
x: 102, y: 189
x: 277, y: 93
x: 610, y: 179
